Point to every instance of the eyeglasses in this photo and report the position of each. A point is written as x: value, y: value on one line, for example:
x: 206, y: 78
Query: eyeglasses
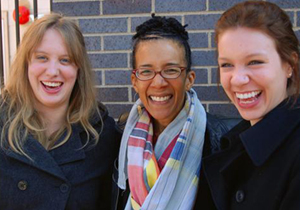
x: 168, y: 73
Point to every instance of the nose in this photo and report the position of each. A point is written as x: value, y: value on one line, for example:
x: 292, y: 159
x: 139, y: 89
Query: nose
x: 158, y: 81
x: 240, y: 77
x: 52, y: 69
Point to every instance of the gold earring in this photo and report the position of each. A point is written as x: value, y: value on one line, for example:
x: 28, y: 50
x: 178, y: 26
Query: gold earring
x: 139, y: 108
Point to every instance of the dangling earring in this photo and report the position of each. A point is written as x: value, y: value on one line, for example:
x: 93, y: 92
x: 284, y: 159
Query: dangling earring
x: 139, y: 108
x: 290, y: 74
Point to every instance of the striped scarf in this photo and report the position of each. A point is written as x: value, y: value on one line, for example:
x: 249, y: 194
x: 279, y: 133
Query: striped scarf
x: 175, y: 186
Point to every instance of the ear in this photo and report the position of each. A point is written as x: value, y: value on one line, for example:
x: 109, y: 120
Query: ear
x: 189, y: 80
x: 134, y: 83
x: 289, y: 68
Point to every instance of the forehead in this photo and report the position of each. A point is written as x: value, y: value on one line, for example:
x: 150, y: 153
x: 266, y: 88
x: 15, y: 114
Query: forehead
x: 159, y: 51
x: 245, y: 40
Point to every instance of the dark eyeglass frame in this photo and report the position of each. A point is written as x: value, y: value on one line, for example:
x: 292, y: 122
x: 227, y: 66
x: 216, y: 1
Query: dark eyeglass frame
x: 134, y: 71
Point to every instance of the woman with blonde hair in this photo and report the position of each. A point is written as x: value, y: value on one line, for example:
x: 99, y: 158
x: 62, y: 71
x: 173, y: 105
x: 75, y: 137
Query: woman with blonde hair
x: 57, y: 142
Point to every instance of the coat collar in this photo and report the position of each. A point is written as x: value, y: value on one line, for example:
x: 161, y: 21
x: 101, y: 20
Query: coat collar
x: 50, y: 161
x: 273, y: 130
x: 71, y: 151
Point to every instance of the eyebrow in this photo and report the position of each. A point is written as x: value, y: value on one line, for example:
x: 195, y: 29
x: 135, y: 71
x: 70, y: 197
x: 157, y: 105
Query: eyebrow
x: 168, y: 64
x: 248, y: 56
x: 44, y: 52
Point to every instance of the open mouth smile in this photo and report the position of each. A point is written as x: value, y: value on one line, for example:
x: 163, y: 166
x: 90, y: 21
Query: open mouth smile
x: 160, y: 98
x: 249, y: 97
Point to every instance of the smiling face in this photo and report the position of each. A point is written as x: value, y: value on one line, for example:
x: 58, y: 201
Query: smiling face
x: 163, y: 98
x: 252, y: 73
x: 51, y: 73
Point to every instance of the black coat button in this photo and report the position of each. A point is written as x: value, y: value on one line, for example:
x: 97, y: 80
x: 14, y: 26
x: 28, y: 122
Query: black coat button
x: 240, y: 196
x: 22, y: 185
x: 64, y: 188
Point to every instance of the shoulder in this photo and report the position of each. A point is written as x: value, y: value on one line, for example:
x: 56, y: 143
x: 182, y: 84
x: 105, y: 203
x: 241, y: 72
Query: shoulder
x: 216, y: 127
x: 105, y: 125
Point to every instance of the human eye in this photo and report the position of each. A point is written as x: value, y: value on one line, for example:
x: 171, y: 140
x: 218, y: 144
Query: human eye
x: 65, y: 60
x: 225, y: 65
x: 171, y: 71
x: 255, y: 62
x: 145, y: 72
x: 41, y: 58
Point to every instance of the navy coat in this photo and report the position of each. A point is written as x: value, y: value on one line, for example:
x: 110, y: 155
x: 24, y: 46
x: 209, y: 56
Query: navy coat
x: 257, y: 168
x: 67, y: 177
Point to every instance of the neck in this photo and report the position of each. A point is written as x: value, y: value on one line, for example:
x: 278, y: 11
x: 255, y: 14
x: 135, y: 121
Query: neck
x: 158, y: 128
x: 53, y: 117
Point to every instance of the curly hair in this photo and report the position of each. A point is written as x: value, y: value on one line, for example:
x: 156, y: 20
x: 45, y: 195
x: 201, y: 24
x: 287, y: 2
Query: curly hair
x: 162, y: 28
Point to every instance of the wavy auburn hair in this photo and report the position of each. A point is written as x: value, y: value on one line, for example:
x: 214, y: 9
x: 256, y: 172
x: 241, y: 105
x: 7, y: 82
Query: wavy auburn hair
x: 272, y: 20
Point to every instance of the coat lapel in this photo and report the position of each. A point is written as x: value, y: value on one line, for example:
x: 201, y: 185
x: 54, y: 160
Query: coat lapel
x: 273, y: 130
x: 40, y: 158
x: 216, y: 171
x: 50, y: 161
x: 69, y: 152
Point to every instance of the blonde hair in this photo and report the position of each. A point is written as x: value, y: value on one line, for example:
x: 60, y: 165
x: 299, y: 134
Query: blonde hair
x: 19, y: 115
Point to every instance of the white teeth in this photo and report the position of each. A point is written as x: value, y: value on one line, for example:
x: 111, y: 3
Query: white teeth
x: 156, y: 98
x: 247, y: 95
x: 52, y: 84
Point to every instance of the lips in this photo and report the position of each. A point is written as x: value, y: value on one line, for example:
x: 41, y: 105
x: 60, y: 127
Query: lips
x: 51, y: 84
x: 51, y: 87
x: 248, y: 99
x: 249, y: 95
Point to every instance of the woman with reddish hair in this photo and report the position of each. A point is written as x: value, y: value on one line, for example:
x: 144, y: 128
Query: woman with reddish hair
x: 258, y: 166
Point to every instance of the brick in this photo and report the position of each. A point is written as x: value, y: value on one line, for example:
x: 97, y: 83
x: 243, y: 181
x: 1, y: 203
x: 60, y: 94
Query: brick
x: 130, y: 60
x: 212, y: 93
x: 98, y: 77
x: 136, y: 21
x: 134, y: 94
x: 217, y: 5
x: 113, y: 94
x: 201, y: 22
x: 205, y: 106
x: 103, y: 25
x: 204, y: 58
x: 180, y: 5
x: 291, y: 16
x: 226, y: 110
x: 215, y: 76
x: 117, y: 42
x: 201, y: 76
x: 198, y: 40
x: 92, y: 43
x: 212, y: 38
x: 118, y: 77
x: 109, y: 60
x: 115, y: 110
x: 298, y: 34
x: 298, y: 19
x: 126, y: 7
x: 286, y: 4
x: 86, y: 8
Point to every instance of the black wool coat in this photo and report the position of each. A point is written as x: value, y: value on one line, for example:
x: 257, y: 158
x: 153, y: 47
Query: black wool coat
x: 65, y: 178
x: 257, y: 168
